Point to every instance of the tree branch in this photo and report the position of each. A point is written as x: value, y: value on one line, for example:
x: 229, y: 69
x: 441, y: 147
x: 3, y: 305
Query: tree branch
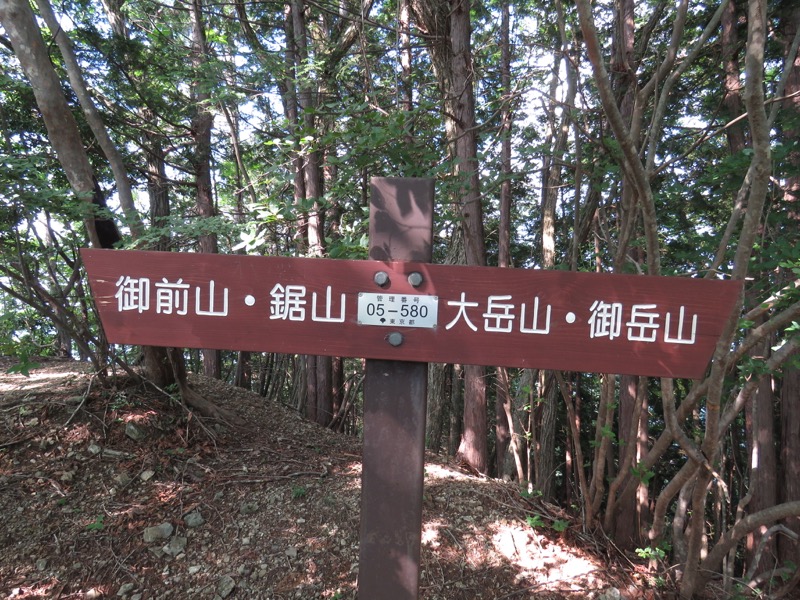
x: 711, y: 563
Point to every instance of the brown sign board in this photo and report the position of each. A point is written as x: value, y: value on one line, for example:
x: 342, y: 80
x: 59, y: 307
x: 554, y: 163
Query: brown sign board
x: 409, y: 311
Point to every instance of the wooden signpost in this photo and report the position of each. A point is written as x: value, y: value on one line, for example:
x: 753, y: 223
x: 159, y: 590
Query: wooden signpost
x: 400, y: 312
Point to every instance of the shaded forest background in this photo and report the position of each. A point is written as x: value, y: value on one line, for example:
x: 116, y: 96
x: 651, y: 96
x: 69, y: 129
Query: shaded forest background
x: 645, y: 138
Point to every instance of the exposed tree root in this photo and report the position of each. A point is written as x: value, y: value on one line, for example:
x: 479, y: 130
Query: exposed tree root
x: 192, y: 399
x: 206, y: 408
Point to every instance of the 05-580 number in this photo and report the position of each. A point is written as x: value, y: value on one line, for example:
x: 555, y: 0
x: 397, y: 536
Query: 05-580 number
x: 397, y: 310
x: 406, y: 311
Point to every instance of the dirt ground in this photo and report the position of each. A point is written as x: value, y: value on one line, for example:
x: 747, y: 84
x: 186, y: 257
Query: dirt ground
x: 117, y: 491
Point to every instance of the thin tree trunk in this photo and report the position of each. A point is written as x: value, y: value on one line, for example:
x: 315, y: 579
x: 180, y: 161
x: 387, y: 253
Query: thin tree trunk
x: 602, y: 443
x: 435, y: 421
x: 447, y: 23
x: 318, y: 368
x: 462, y: 137
x: 761, y: 164
x: 504, y: 428
x: 456, y: 410
x: 788, y: 550
x: 324, y: 390
x: 547, y: 440
x: 732, y: 99
x: 94, y: 119
x: 20, y: 25
x: 759, y: 420
x: 406, y: 88
x: 625, y: 528
x: 552, y: 178
x: 311, y: 387
x: 312, y: 175
x: 202, y: 123
x: 573, y: 419
x: 474, y: 439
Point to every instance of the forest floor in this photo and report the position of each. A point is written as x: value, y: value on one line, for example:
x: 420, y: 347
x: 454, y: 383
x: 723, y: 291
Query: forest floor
x: 118, y: 492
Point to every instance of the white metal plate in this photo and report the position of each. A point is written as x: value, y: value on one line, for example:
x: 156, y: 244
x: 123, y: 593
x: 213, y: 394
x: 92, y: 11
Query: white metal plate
x: 397, y: 310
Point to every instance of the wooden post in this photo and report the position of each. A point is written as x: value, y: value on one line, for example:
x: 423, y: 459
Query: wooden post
x: 395, y: 399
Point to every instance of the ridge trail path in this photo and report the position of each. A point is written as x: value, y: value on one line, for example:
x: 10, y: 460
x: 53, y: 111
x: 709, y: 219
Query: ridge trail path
x: 117, y: 491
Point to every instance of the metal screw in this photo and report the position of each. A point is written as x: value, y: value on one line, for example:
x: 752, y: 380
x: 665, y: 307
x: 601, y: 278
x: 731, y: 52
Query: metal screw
x: 395, y: 338
x: 415, y: 279
x: 381, y: 278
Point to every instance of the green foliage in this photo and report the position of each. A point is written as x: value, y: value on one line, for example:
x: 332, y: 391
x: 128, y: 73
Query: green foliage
x: 24, y: 366
x: 120, y: 401
x: 349, y: 245
x: 299, y: 492
x: 535, y: 521
x: 752, y: 366
x: 97, y: 524
x: 651, y: 553
x: 560, y: 525
x: 607, y: 432
x: 788, y: 571
x: 527, y: 493
x: 642, y: 474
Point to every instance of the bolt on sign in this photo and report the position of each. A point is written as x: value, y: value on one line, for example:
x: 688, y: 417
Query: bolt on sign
x: 657, y: 326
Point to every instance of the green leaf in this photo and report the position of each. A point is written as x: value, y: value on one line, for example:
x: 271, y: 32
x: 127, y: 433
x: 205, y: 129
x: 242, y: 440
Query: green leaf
x: 97, y: 524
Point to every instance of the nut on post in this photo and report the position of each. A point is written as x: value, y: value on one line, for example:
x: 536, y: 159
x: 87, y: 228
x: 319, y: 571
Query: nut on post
x: 415, y: 279
x: 395, y: 338
x: 381, y: 278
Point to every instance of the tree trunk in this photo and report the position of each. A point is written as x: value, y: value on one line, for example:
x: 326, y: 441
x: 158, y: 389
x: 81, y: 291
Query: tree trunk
x: 788, y: 550
x: 310, y: 160
x: 503, y: 424
x: 547, y: 435
x: 93, y: 118
x: 438, y: 385
x: 202, y: 123
x: 551, y: 178
x: 447, y: 25
x: 157, y: 366
x: 324, y: 390
x: 602, y: 447
x: 156, y: 361
x: 759, y: 420
x: 18, y: 21
x: 243, y: 377
x: 732, y: 99
x: 406, y: 90
x: 504, y: 428
x: 456, y: 410
x: 474, y: 439
x: 624, y: 532
x: 20, y: 25
x: 628, y: 513
x: 761, y: 165
x: 318, y: 368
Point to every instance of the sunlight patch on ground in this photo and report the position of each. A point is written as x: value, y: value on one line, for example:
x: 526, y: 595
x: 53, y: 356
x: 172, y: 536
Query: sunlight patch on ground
x: 35, y: 381
x: 167, y: 492
x: 77, y: 434
x: 141, y: 417
x: 435, y: 471
x: 539, y: 559
x: 430, y: 533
